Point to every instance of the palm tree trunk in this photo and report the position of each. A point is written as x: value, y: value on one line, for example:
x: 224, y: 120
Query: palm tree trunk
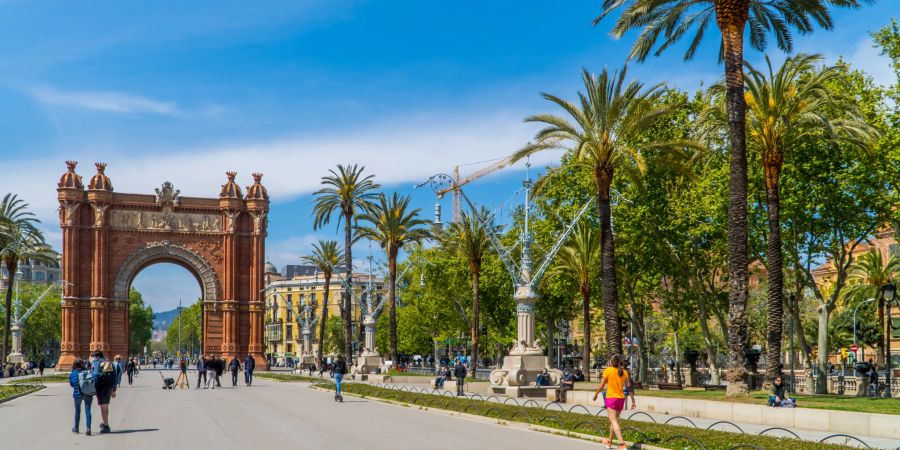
x: 586, y: 315
x: 323, y: 319
x: 392, y: 289
x: 603, y: 177
x: 476, y: 318
x: 345, y: 296
x: 731, y: 17
x: 11, y: 267
x: 775, y: 294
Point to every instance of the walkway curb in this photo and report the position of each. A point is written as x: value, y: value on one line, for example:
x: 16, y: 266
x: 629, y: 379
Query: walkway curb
x: 495, y: 421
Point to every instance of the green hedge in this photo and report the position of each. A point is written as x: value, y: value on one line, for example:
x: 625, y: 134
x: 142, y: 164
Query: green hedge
x: 49, y: 378
x: 10, y: 390
x: 285, y: 377
x: 669, y: 436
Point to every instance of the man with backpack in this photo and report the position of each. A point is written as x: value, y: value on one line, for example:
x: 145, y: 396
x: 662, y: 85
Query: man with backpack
x: 83, y: 390
x: 105, y: 379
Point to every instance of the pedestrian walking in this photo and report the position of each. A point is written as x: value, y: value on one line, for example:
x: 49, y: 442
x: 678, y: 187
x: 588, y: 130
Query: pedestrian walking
x: 615, y: 378
x: 77, y: 378
x: 218, y: 369
x: 41, y: 366
x: 119, y: 368
x: 234, y: 366
x: 338, y: 371
x: 105, y: 375
x: 460, y: 373
x: 201, y: 371
x: 129, y: 371
x: 249, y: 365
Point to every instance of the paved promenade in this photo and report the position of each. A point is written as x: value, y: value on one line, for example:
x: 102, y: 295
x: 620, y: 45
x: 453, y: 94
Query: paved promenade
x: 268, y: 415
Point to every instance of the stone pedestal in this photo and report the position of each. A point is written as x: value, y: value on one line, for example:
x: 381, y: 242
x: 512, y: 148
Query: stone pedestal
x: 526, y: 360
x: 862, y: 385
x: 15, y: 355
x: 367, y: 364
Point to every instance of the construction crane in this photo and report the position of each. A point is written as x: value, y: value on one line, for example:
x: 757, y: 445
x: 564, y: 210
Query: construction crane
x: 458, y: 183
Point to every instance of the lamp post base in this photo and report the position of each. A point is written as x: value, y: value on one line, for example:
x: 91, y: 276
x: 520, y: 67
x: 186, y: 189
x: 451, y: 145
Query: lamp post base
x: 518, y: 375
x: 367, y: 364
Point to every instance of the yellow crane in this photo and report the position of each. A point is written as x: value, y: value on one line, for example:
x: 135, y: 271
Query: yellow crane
x: 458, y: 183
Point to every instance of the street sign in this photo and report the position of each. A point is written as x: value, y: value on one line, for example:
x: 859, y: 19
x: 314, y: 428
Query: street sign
x: 854, y: 348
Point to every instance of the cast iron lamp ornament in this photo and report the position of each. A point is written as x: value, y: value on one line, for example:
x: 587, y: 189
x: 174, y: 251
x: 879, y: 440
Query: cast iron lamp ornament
x: 888, y: 291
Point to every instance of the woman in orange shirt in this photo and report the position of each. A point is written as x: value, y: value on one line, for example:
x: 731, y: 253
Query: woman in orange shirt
x: 614, y: 379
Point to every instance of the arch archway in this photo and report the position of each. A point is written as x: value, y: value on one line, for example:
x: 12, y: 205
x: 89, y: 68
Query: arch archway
x: 109, y: 237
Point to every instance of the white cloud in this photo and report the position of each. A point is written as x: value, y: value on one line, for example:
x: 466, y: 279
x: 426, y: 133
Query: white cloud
x: 868, y: 59
x: 104, y: 101
x: 402, y: 151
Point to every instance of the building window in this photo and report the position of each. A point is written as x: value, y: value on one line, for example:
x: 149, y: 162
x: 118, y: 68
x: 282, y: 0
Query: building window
x: 39, y: 276
x: 290, y: 310
x: 290, y: 348
x: 895, y: 331
x: 50, y: 276
x: 894, y: 250
x: 290, y: 333
x: 313, y: 298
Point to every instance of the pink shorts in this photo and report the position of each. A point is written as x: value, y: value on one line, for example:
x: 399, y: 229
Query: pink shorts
x: 617, y: 404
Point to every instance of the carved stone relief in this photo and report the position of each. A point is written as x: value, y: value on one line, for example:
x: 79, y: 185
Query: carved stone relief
x: 165, y: 221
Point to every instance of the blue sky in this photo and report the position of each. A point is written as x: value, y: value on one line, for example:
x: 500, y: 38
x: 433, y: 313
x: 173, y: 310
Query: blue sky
x: 183, y: 91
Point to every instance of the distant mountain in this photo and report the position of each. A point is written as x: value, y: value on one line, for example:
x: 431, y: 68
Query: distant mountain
x: 162, y: 320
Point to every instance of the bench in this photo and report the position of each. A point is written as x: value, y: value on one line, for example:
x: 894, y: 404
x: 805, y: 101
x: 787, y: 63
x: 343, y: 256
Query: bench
x: 669, y: 387
x: 713, y: 387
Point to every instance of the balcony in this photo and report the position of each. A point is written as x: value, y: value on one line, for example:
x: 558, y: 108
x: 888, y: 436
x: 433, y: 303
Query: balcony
x: 273, y: 332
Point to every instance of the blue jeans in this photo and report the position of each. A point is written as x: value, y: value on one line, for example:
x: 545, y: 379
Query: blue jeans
x: 248, y: 376
x: 338, y: 378
x: 88, y: 399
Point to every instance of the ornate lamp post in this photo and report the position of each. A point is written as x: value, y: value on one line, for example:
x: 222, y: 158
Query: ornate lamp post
x: 888, y: 291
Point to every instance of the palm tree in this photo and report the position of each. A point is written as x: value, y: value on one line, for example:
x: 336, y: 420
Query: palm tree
x: 326, y: 256
x: 783, y: 108
x: 579, y: 259
x: 673, y: 19
x: 469, y: 239
x: 19, y: 239
x: 393, y: 225
x: 608, y: 117
x: 346, y: 191
x: 867, y: 275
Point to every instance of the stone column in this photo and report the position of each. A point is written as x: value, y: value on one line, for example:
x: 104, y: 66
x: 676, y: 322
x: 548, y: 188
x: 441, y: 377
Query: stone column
x: 99, y: 279
x: 68, y: 213
x: 229, y: 297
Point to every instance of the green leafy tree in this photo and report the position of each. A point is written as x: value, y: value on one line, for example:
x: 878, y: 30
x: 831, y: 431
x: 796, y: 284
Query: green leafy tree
x: 333, y: 341
x: 866, y: 277
x: 346, y: 193
x: 140, y: 323
x: 784, y: 107
x: 19, y: 239
x: 191, y: 324
x: 43, y: 328
x: 393, y: 224
x: 599, y: 131
x: 326, y: 256
x: 579, y: 260
x: 469, y: 239
x: 670, y: 20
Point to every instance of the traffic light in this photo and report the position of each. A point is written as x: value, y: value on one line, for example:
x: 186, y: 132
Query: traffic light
x: 843, y: 353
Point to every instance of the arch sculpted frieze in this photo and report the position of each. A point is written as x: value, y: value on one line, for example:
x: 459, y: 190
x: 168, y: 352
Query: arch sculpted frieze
x: 164, y: 250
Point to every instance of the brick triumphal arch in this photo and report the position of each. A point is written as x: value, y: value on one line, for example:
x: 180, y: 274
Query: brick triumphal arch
x: 108, y: 237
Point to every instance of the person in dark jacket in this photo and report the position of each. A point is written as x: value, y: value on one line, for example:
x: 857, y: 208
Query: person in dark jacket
x: 105, y: 376
x: 77, y: 369
x: 41, y: 366
x: 780, y: 395
x: 338, y: 371
x: 201, y: 370
x: 249, y: 365
x: 234, y: 366
x: 460, y: 373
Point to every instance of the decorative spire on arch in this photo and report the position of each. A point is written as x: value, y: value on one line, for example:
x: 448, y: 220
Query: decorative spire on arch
x: 100, y: 182
x: 257, y: 191
x: 70, y: 179
x: 231, y: 188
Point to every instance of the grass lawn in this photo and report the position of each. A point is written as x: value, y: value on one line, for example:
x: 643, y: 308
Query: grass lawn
x: 48, y: 378
x: 397, y: 373
x: 11, y: 390
x: 833, y: 402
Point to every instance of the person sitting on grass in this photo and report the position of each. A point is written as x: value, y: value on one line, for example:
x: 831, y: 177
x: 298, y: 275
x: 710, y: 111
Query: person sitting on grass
x: 780, y: 395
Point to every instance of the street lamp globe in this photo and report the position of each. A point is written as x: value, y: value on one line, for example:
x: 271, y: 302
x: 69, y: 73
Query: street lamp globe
x: 889, y: 290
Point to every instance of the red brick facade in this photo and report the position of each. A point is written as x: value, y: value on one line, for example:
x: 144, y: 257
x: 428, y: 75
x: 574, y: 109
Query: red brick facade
x: 109, y: 237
